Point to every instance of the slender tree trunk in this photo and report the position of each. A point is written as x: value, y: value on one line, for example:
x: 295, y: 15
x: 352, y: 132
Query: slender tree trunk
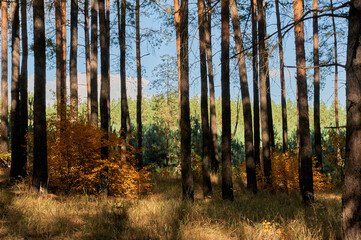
x: 263, y: 69
x: 351, y: 197
x: 256, y: 131
x: 206, y: 147
x: 87, y: 57
x: 40, y: 165
x: 105, y: 84
x: 227, y: 184
x: 282, y: 79
x: 94, y: 64
x: 17, y: 170
x: 316, y: 84
x: 4, y: 145
x: 246, y: 102
x: 212, y: 99
x: 139, y: 88
x: 185, y: 126
x: 23, y: 86
x: 305, y: 152
x: 74, y: 58
x: 177, y: 22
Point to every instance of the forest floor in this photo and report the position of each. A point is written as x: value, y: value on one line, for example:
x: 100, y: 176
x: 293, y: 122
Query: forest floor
x: 162, y: 215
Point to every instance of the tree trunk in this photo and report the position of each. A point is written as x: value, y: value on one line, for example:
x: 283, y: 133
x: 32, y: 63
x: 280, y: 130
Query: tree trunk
x: 263, y: 69
x: 74, y: 58
x: 212, y: 99
x: 94, y: 64
x: 256, y: 132
x: 282, y: 80
x: 105, y: 84
x: 4, y: 145
x: 246, y: 102
x: 23, y: 86
x: 351, y: 197
x: 305, y: 152
x: 139, y: 88
x: 177, y: 22
x: 40, y: 166
x: 206, y: 147
x: 316, y: 84
x: 185, y: 128
x: 227, y: 184
x: 17, y: 170
x: 87, y: 57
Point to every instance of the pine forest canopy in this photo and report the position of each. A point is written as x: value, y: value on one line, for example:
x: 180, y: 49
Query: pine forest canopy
x: 219, y: 88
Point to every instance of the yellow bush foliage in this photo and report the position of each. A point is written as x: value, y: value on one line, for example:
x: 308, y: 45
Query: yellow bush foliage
x: 75, y: 162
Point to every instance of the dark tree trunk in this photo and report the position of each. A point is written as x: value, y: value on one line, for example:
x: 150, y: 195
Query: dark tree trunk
x: 4, y: 145
x: 246, y: 102
x: 316, y: 84
x: 351, y: 198
x: 212, y: 99
x: 227, y: 184
x: 94, y: 64
x: 74, y: 58
x: 23, y: 86
x: 139, y: 89
x: 263, y: 69
x: 40, y: 166
x: 305, y: 152
x: 17, y: 169
x: 206, y: 147
x: 256, y: 131
x: 282, y: 80
x: 105, y: 84
x: 87, y: 57
x: 177, y: 23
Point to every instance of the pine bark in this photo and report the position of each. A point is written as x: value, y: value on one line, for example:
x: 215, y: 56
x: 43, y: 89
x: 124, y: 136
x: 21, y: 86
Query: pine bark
x: 316, y: 84
x: 177, y: 22
x: 17, y: 170
x: 139, y: 88
x: 185, y: 126
x: 74, y: 58
x: 227, y: 184
x: 256, y: 131
x: 263, y: 69
x: 246, y: 101
x: 351, y: 197
x: 40, y: 166
x: 212, y: 99
x: 206, y: 146
x: 87, y: 57
x: 4, y: 145
x: 305, y: 152
x: 282, y: 80
x: 94, y: 64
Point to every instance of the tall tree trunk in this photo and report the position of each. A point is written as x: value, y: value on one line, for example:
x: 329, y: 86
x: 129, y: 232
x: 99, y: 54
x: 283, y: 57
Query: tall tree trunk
x: 177, y: 22
x: 185, y: 126
x: 206, y: 147
x: 263, y: 69
x: 316, y: 84
x: 105, y: 84
x: 212, y: 99
x: 23, y: 86
x: 256, y: 132
x: 74, y: 58
x: 4, y: 145
x: 246, y: 102
x: 87, y: 57
x: 94, y: 64
x: 17, y: 170
x: 139, y: 88
x: 40, y: 165
x: 227, y: 184
x: 305, y: 152
x: 351, y: 197
x: 282, y: 80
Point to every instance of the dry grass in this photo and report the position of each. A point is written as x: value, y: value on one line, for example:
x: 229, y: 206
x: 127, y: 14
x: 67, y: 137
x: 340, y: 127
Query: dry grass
x: 162, y: 215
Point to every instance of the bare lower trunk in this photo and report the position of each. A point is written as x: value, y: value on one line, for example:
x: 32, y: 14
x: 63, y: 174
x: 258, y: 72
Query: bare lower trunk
x: 94, y: 64
x: 74, y: 58
x: 4, y: 145
x: 87, y: 57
